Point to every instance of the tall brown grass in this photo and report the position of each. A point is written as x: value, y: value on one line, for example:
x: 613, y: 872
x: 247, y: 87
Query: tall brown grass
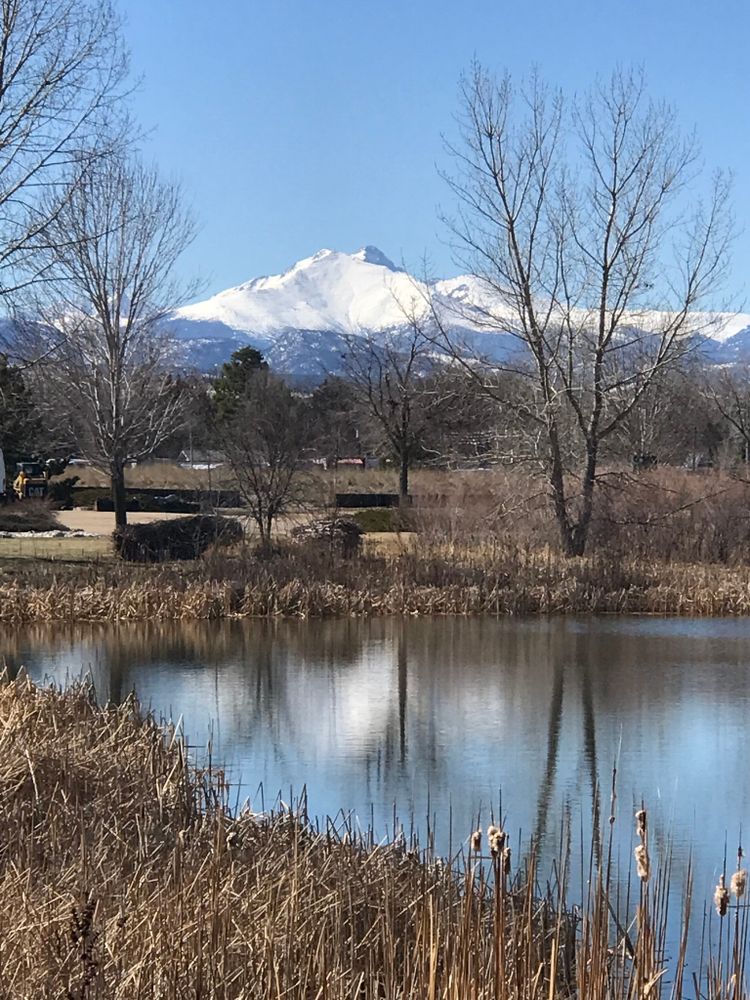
x: 433, y: 578
x: 124, y: 874
x: 667, y: 514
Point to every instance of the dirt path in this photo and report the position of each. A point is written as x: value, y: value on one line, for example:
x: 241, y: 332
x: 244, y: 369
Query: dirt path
x: 102, y: 523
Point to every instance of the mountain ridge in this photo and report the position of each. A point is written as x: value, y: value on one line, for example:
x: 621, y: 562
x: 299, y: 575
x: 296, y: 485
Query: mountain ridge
x: 301, y: 319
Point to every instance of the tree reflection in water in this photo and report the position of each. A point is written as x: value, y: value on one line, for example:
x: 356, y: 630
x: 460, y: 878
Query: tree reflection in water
x: 443, y: 714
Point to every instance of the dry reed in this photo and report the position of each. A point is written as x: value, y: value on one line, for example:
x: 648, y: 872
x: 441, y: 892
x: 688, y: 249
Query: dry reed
x: 445, y: 579
x: 123, y: 874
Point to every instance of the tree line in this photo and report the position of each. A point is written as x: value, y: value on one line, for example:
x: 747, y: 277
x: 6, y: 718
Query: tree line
x: 270, y: 432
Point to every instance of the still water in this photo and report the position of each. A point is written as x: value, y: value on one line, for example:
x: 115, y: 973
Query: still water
x: 451, y: 716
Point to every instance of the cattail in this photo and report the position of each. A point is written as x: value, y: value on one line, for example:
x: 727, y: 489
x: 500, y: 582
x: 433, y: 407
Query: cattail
x: 506, y: 861
x: 640, y: 823
x: 497, y: 840
x: 492, y: 831
x: 642, y: 863
x: 721, y: 898
x: 476, y: 841
x: 739, y: 882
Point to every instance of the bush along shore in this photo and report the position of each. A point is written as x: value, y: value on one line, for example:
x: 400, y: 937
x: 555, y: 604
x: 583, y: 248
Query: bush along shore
x: 311, y: 580
x: 124, y: 874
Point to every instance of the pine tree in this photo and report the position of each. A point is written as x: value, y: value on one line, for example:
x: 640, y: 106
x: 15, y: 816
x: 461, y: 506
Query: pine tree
x: 20, y: 426
x: 236, y: 376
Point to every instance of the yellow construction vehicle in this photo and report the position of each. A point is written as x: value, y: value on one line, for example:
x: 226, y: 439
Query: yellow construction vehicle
x: 32, y: 478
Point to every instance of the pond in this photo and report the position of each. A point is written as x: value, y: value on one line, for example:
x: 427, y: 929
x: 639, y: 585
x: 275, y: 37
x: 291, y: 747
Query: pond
x: 442, y: 718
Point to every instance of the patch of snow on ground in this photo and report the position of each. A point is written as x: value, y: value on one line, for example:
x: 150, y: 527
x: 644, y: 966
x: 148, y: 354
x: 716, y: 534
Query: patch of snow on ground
x: 47, y: 534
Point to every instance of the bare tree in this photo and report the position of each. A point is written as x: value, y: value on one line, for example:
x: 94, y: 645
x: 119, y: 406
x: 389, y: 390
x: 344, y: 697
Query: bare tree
x: 575, y: 222
x: 264, y: 435
x: 399, y: 384
x: 727, y: 388
x: 62, y: 71
x: 110, y: 252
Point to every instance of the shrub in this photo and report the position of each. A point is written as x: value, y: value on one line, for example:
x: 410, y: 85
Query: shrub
x: 182, y: 538
x: 341, y: 534
x: 28, y: 516
x: 60, y: 492
x: 377, y: 519
x: 106, y: 505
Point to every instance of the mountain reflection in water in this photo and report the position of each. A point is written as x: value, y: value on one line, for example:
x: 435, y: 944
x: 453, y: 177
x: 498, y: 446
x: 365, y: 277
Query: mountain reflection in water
x: 449, y: 716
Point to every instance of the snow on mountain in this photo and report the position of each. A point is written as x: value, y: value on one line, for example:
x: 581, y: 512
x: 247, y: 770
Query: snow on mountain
x: 338, y: 292
x: 300, y: 319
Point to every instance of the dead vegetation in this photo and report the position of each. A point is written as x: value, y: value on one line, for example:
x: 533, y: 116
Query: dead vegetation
x: 431, y: 578
x: 124, y: 874
x: 667, y: 542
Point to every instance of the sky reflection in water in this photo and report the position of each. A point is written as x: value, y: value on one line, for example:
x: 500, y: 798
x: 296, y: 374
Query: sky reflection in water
x: 445, y: 716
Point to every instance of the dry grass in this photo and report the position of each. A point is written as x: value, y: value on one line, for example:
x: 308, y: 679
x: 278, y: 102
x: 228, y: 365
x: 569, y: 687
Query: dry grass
x: 153, y: 474
x: 123, y: 874
x: 56, y: 549
x: 428, y: 579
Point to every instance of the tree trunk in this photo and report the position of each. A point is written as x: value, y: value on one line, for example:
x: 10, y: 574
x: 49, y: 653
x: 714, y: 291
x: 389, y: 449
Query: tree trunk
x: 264, y: 521
x: 557, y: 488
x: 580, y: 531
x: 118, y: 494
x: 403, y: 479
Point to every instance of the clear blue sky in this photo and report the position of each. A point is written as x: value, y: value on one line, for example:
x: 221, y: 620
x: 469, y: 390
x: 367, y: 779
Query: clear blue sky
x: 301, y: 124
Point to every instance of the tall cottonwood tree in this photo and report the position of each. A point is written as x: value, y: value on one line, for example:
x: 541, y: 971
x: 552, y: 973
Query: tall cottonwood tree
x: 574, y: 218
x: 62, y: 77
x: 110, y: 254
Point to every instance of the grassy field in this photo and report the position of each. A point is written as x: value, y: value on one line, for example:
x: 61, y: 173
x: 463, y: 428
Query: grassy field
x: 124, y: 874
x: 56, y: 549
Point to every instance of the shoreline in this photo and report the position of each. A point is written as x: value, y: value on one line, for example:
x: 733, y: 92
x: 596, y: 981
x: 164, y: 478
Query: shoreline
x: 308, y: 584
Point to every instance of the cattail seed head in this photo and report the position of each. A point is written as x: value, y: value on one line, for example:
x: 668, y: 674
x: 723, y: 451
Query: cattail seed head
x: 506, y: 861
x: 497, y: 840
x: 739, y: 883
x: 476, y: 841
x: 642, y: 863
x: 721, y: 898
x: 640, y: 823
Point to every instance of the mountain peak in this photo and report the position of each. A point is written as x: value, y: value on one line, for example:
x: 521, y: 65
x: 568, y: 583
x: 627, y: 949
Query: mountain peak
x: 371, y: 255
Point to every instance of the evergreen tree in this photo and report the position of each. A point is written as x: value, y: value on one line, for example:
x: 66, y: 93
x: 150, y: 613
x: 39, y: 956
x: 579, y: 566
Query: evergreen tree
x: 20, y: 426
x: 234, y: 380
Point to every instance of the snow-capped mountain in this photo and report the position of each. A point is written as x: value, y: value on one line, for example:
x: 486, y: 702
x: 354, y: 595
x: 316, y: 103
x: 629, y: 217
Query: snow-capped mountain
x: 300, y: 319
